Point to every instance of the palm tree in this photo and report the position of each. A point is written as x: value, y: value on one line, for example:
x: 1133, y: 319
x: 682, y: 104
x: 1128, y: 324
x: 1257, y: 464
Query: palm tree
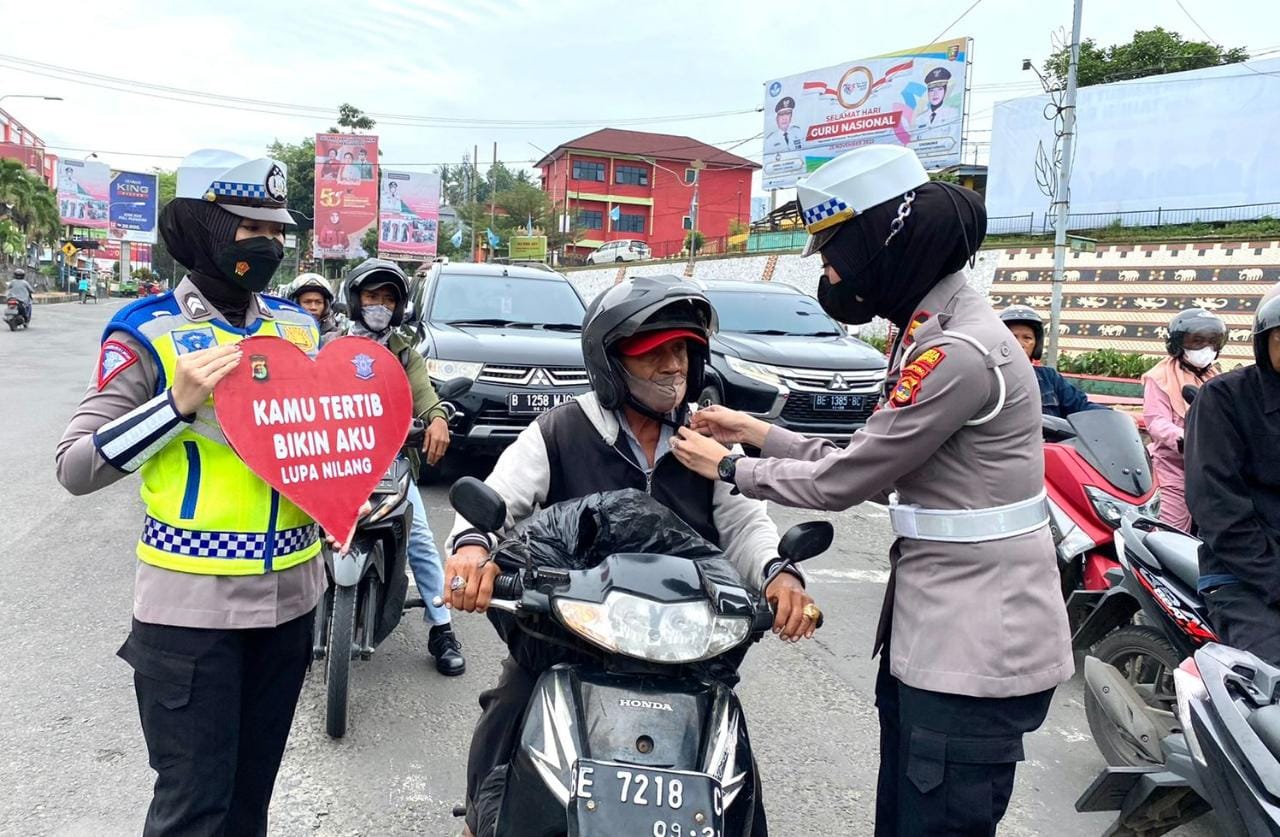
x: 29, y: 203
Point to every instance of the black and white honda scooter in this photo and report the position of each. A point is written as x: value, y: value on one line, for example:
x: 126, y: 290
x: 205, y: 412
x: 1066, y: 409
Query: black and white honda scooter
x: 635, y: 741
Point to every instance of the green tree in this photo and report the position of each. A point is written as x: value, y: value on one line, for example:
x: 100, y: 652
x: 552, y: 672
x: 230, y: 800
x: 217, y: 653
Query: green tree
x: 1151, y: 52
x: 300, y: 160
x: 352, y: 119
x: 28, y: 202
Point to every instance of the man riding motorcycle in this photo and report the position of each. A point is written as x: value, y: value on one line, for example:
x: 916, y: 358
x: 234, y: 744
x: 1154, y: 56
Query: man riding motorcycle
x: 645, y: 342
x: 21, y: 290
x: 312, y: 292
x: 1058, y: 398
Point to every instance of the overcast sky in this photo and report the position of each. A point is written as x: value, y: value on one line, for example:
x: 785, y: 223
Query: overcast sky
x: 576, y: 64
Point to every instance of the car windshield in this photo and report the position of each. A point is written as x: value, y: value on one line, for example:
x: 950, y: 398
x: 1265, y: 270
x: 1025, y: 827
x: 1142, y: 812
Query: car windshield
x: 504, y: 300
x: 771, y: 313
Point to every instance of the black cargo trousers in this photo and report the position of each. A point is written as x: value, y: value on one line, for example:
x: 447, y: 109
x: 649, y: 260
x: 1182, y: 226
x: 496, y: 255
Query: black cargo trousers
x: 216, y: 707
x: 947, y: 761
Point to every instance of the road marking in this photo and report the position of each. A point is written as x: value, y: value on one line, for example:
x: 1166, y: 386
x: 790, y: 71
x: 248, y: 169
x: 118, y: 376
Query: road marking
x: 854, y: 576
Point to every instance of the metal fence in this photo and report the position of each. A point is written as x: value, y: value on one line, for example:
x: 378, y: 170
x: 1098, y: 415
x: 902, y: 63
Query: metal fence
x: 1161, y: 216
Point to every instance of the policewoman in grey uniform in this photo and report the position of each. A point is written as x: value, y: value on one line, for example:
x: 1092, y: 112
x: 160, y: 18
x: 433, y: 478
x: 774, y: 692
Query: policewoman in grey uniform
x: 973, y: 636
x: 227, y: 573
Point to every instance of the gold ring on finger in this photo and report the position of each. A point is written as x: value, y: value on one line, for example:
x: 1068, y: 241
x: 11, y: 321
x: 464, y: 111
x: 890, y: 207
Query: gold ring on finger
x: 812, y: 612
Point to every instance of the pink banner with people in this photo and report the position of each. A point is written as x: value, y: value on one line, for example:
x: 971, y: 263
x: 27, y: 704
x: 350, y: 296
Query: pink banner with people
x: 346, y: 191
x: 83, y: 193
x: 409, y: 218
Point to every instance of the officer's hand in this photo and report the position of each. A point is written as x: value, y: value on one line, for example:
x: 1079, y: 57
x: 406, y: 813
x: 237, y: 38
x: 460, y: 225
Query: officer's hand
x: 788, y: 597
x: 338, y: 546
x: 199, y: 372
x: 436, y: 441
x: 477, y: 571
x: 698, y: 453
x: 729, y: 427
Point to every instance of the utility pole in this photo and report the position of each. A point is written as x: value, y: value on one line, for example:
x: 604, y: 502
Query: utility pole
x: 1062, y: 194
x: 472, y: 172
x: 697, y: 166
x: 493, y: 199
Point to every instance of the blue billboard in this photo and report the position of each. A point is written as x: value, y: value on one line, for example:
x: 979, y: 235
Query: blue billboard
x: 134, y: 198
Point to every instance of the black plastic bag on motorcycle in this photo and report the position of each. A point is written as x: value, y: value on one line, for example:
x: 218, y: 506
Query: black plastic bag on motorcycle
x: 579, y: 534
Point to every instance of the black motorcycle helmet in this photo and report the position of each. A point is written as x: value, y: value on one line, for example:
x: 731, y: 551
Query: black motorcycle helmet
x: 1024, y: 315
x: 1195, y: 321
x: 19, y: 273
x: 1266, y: 320
x: 635, y: 306
x: 374, y: 273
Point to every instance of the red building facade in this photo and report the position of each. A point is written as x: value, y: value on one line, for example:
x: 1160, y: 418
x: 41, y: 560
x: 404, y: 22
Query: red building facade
x: 614, y: 184
x: 17, y: 142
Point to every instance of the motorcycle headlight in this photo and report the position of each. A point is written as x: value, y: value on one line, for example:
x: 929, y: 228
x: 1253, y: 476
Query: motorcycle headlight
x: 1071, y: 539
x: 1189, y: 686
x: 387, y: 496
x: 653, y: 631
x: 1112, y: 509
x: 446, y: 370
x: 755, y: 371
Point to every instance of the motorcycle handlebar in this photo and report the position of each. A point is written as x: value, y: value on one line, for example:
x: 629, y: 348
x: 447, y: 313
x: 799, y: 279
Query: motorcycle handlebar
x: 417, y: 434
x: 509, y: 586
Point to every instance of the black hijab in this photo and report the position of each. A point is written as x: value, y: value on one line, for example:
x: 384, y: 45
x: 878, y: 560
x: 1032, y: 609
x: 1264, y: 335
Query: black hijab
x: 946, y: 225
x: 194, y: 230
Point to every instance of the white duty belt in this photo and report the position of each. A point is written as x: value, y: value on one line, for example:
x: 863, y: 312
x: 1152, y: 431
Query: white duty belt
x: 969, y: 525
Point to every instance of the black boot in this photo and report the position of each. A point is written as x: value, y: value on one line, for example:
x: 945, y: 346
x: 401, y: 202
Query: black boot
x: 447, y: 649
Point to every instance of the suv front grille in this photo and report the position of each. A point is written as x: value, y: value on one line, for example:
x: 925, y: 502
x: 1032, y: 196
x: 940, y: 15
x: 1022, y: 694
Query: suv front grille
x: 542, y: 376
x: 498, y: 417
x: 799, y: 411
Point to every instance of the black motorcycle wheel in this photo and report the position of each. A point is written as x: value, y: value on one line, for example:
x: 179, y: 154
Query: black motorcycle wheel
x: 1147, y: 659
x: 338, y: 663
x: 13, y: 325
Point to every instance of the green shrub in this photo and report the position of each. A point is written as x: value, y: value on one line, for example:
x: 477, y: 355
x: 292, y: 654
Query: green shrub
x: 878, y: 342
x: 1107, y: 363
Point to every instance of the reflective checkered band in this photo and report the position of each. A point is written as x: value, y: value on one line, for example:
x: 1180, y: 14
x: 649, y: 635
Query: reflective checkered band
x: 227, y: 189
x: 246, y: 545
x: 827, y: 209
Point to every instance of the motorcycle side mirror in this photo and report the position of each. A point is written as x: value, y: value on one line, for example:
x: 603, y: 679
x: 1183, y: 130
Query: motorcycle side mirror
x: 1189, y: 393
x: 341, y: 309
x: 454, y: 388
x: 806, y: 540
x: 1056, y: 429
x: 478, y: 504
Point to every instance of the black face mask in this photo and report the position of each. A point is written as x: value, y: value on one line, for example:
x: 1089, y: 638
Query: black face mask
x: 252, y: 262
x: 841, y: 302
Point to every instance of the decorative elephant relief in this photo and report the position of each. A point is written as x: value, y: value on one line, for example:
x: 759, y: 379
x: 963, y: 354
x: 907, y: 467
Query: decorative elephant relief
x: 1112, y: 330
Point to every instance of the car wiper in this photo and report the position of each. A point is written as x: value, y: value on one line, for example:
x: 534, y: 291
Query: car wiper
x: 563, y: 326
x: 819, y: 334
x: 770, y: 331
x: 480, y: 322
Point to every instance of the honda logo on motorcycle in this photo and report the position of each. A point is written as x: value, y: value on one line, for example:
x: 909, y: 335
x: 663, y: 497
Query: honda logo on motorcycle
x: 632, y: 703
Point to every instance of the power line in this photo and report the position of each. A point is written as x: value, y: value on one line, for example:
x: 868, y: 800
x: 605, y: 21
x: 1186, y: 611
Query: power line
x: 300, y: 111
x: 963, y: 15
x: 1212, y: 39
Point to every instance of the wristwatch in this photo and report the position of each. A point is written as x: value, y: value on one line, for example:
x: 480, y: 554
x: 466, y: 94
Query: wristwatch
x: 728, y: 467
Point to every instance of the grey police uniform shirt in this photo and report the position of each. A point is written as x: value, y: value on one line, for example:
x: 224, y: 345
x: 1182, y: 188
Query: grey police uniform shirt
x: 982, y: 619
x: 161, y: 596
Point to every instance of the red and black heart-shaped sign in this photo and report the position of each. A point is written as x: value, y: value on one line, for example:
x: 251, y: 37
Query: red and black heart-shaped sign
x: 321, y: 432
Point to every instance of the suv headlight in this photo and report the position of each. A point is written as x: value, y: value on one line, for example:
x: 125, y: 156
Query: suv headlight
x: 653, y: 631
x: 756, y: 371
x: 1113, y: 509
x: 445, y: 370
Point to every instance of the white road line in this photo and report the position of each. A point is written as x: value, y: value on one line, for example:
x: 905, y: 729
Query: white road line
x: 853, y: 576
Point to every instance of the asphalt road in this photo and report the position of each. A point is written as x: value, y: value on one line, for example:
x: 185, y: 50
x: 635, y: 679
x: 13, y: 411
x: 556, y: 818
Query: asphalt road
x: 73, y: 760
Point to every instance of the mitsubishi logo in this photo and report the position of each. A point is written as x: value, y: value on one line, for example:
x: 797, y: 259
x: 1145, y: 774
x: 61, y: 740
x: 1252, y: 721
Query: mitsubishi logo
x: 838, y: 382
x: 540, y: 378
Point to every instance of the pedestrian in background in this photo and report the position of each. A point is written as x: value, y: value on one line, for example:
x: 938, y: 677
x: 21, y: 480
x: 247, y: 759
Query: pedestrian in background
x: 1196, y: 337
x: 227, y: 575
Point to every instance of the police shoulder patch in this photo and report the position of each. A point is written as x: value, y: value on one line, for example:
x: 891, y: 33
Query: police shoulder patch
x: 912, y: 378
x: 299, y: 336
x: 114, y: 358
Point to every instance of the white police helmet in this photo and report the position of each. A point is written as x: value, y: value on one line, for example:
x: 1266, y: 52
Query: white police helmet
x: 854, y: 182
x: 249, y: 188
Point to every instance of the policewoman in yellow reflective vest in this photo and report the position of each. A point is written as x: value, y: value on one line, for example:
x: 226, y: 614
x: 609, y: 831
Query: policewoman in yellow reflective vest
x: 227, y: 574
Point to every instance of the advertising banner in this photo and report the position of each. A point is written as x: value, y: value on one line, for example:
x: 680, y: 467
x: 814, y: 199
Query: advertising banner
x: 914, y: 98
x: 83, y: 193
x: 531, y: 248
x: 409, y: 219
x: 346, y: 194
x: 134, y: 200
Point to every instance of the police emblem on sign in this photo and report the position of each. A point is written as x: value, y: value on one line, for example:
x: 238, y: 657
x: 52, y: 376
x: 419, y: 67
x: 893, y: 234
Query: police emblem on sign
x: 258, y: 366
x: 364, y: 367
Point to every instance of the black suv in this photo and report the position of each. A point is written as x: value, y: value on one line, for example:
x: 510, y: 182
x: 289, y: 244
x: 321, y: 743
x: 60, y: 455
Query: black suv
x: 780, y: 357
x: 514, y: 330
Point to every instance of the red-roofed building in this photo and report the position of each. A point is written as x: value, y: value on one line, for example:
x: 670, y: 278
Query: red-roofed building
x: 17, y: 142
x: 648, y: 179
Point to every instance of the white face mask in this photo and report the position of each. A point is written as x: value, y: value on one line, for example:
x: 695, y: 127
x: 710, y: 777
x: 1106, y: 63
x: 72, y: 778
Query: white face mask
x: 1200, y: 358
x: 662, y: 394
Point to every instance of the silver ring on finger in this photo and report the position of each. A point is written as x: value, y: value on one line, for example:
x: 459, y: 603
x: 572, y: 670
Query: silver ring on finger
x: 457, y: 583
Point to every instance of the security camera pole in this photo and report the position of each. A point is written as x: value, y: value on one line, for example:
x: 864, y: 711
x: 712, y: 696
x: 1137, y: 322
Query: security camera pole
x: 1062, y: 195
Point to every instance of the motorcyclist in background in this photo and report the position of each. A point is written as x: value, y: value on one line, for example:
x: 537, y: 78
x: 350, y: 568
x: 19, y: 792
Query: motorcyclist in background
x: 313, y: 292
x: 1057, y: 397
x: 21, y: 290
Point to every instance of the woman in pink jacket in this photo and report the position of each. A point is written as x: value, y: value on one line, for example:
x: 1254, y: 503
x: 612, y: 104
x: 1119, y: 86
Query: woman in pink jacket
x: 1196, y: 336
